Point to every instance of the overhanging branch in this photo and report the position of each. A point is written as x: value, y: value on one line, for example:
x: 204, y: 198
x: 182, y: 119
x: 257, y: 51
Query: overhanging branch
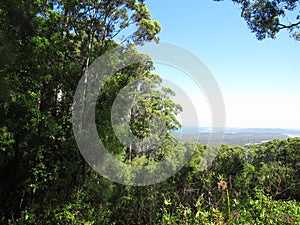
x: 292, y: 25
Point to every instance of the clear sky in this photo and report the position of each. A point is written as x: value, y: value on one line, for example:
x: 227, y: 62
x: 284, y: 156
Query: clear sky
x: 260, y: 80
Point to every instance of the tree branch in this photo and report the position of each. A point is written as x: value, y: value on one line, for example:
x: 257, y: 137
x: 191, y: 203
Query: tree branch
x: 283, y: 26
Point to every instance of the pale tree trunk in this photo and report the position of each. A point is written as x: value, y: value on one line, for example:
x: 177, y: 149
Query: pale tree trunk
x: 59, y: 91
x: 86, y: 72
x: 130, y: 151
x: 86, y: 66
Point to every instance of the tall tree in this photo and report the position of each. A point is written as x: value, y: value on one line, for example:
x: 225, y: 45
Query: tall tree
x: 46, y: 46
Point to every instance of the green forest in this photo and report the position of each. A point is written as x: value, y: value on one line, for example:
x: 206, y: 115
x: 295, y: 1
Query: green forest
x: 46, y: 46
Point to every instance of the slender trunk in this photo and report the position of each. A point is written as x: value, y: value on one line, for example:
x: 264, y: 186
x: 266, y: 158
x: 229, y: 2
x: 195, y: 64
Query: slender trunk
x: 66, y: 22
x: 132, y: 115
x: 104, y: 38
x: 86, y: 70
x: 86, y: 66
x: 130, y: 151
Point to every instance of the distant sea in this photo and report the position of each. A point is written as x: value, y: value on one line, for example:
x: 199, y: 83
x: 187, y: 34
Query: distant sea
x: 234, y: 136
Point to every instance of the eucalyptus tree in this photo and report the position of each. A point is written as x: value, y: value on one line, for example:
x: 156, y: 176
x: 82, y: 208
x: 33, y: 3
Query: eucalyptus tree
x: 46, y: 46
x: 268, y: 17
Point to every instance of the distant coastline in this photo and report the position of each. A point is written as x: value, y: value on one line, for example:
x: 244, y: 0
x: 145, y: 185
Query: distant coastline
x: 235, y: 136
x: 293, y: 135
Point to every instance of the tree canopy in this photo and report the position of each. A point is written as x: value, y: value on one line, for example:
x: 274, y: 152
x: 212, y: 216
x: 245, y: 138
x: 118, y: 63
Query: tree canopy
x: 266, y: 18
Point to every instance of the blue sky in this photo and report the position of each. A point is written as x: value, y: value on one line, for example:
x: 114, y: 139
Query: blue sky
x: 259, y: 80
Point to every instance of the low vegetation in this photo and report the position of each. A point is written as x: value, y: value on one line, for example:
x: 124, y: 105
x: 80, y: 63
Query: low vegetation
x: 257, y: 184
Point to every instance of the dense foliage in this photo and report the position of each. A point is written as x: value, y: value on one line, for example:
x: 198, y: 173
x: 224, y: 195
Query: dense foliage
x: 257, y: 184
x: 46, y: 46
